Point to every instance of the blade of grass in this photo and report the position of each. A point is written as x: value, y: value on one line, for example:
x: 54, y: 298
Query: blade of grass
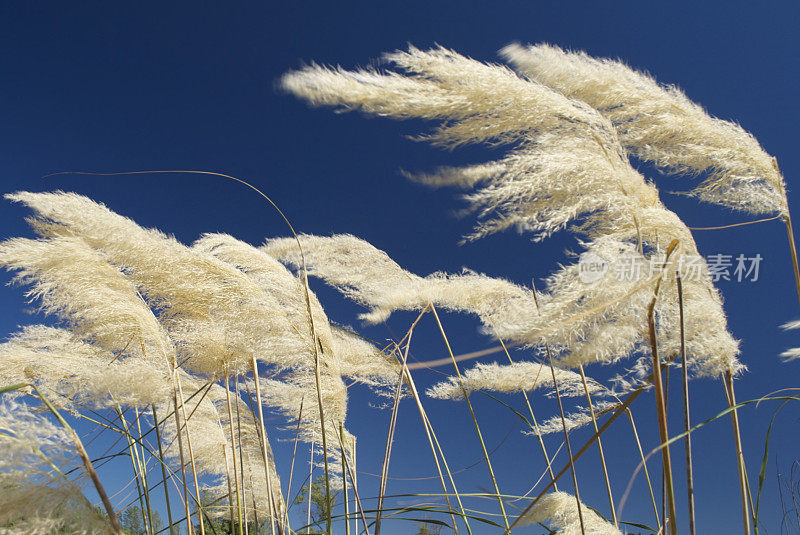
x: 390, y: 434
x: 294, y: 454
x: 763, y: 470
x: 241, y: 455
x: 344, y: 483
x: 163, y: 467
x: 599, y: 446
x: 237, y: 485
x: 87, y: 463
x: 661, y: 409
x: 787, y: 220
x: 135, y: 463
x: 570, y: 457
x: 686, y: 413
x: 349, y: 472
x: 620, y: 410
x: 743, y: 487
x: 433, y: 441
x: 264, y: 448
x: 144, y: 471
x: 472, y: 414
x: 191, y: 458
x: 533, y: 423
x: 644, y: 466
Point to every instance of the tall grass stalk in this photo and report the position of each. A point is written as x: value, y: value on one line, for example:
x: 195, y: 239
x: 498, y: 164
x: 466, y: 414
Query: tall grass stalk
x: 599, y: 446
x: 181, y: 453
x: 348, y: 471
x: 661, y: 409
x: 163, y: 467
x: 566, y: 441
x: 686, y: 413
x: 232, y: 511
x: 430, y: 434
x: 144, y: 470
x: 390, y: 435
x: 433, y: 441
x: 611, y: 419
x: 662, y: 429
x: 265, y: 450
x: 139, y: 478
x: 191, y: 459
x: 233, y: 449
x: 346, y: 499
x: 241, y: 459
x: 787, y: 220
x: 533, y: 417
x: 87, y: 463
x: 310, y: 480
x: 644, y: 466
x: 294, y: 455
x: 743, y: 486
x: 355, y: 481
x: 474, y: 418
x: 570, y: 457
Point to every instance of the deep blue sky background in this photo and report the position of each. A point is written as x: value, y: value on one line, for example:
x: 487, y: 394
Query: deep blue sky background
x: 113, y: 86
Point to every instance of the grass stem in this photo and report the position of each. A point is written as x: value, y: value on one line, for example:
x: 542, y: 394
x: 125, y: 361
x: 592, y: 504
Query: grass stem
x: 87, y: 464
x: 474, y: 418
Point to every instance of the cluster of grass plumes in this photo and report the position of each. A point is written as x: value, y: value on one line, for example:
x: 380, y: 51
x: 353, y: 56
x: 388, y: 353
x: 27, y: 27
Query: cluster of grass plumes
x: 185, y: 350
x: 570, y: 122
x: 144, y: 323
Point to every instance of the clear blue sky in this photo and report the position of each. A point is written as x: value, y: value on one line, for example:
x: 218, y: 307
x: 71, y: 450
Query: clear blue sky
x: 114, y: 86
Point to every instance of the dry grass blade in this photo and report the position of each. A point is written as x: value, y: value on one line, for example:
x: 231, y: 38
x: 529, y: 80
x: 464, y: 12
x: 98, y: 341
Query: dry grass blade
x: 533, y: 418
x: 599, y: 447
x: 644, y: 466
x: 237, y: 485
x: 617, y: 413
x: 569, y: 446
x: 661, y: 409
x: 191, y: 458
x: 474, y: 418
x: 162, y: 463
x: 742, y: 470
x: 686, y: 414
x: 87, y: 463
x: 390, y: 434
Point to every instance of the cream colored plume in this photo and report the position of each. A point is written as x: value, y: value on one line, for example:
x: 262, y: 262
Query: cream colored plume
x: 72, y: 372
x: 363, y: 362
x: 343, y: 351
x: 286, y: 395
x: 658, y: 123
x: 513, y: 378
x: 567, y: 165
x: 559, y: 510
x: 574, y: 420
x: 248, y: 455
x: 76, y: 283
x: 217, y: 316
x: 794, y: 352
x: 286, y: 292
x: 556, y: 137
x: 583, y: 322
x: 36, y: 499
x: 371, y: 278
